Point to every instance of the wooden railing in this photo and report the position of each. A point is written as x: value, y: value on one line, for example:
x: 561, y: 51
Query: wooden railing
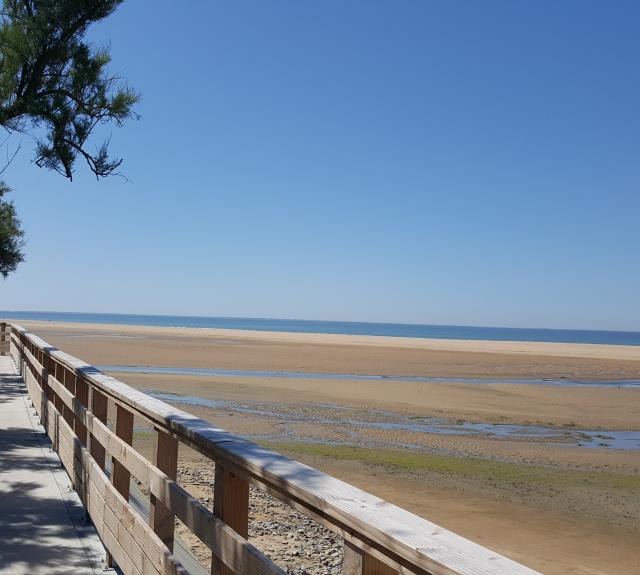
x: 73, y: 398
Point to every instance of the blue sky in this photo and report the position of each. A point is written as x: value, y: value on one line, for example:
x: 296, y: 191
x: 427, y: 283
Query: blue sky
x: 446, y: 162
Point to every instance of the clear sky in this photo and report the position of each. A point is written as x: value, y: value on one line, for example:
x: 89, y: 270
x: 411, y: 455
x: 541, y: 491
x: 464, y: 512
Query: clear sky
x: 447, y: 162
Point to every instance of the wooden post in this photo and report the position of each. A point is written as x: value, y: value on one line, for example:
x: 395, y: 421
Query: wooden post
x: 99, y: 409
x: 46, y: 392
x: 58, y: 373
x: 231, y: 504
x: 69, y: 381
x: 43, y: 375
x: 82, y: 394
x: 52, y: 415
x: 49, y: 369
x: 357, y: 562
x: 21, y: 362
x: 120, y: 476
x: 165, y: 458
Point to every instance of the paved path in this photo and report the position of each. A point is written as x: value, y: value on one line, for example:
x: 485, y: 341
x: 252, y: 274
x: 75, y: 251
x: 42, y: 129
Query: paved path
x: 42, y: 521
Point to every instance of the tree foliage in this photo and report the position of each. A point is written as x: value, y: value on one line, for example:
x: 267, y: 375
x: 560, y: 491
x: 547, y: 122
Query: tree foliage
x: 11, y: 236
x: 54, y: 86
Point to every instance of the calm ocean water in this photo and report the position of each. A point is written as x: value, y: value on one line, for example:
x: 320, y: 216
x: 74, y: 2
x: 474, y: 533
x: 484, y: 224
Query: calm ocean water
x: 345, y: 327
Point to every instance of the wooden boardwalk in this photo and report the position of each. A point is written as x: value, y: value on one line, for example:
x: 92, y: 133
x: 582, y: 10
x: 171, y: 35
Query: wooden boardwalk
x: 42, y: 521
x: 89, y: 417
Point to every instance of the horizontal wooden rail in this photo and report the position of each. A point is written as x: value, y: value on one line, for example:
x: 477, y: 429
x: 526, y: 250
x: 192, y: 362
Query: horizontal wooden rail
x: 71, y: 397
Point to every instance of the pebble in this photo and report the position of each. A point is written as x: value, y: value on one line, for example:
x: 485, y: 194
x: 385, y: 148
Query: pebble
x: 298, y: 544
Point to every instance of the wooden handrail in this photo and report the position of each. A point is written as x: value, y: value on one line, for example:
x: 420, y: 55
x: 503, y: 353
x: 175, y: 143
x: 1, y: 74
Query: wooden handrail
x: 380, y: 538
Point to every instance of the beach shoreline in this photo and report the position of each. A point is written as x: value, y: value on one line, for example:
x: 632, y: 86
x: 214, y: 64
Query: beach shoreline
x: 338, y: 353
x: 563, y: 349
x: 503, y: 492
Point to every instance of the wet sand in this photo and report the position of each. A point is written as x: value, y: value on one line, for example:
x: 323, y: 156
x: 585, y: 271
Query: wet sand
x: 616, y: 408
x: 556, y: 508
x: 552, y: 536
x: 327, y: 353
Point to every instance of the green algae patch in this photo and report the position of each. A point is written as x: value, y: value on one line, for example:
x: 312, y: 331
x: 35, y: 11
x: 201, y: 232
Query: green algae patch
x: 468, y: 467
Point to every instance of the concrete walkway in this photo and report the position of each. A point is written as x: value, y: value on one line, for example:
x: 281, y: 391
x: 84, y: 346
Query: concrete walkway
x: 42, y: 521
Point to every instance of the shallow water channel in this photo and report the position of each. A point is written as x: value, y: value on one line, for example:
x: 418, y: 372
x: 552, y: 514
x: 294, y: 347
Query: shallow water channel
x: 204, y: 371
x: 354, y: 420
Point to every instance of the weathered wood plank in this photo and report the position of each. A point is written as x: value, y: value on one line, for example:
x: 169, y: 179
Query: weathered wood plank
x: 131, y: 522
x: 99, y: 407
x: 352, y: 560
x: 63, y: 394
x: 372, y: 566
x: 82, y: 396
x: 121, y: 477
x: 58, y: 374
x: 148, y: 541
x: 231, y: 504
x: 165, y: 458
x: 239, y: 555
x: 31, y: 358
x: 69, y: 381
x: 109, y: 527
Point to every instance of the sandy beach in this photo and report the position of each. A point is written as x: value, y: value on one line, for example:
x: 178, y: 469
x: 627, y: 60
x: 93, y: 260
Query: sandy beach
x: 336, y: 353
x: 553, y: 504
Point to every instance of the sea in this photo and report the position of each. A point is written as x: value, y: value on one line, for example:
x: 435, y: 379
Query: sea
x: 340, y: 327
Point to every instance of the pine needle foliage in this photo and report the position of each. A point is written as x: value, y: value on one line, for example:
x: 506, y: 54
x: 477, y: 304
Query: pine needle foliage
x: 11, y: 235
x: 55, y: 86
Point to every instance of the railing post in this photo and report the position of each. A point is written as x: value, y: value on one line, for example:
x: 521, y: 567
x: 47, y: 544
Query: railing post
x: 231, y: 504
x: 352, y: 562
x: 69, y: 381
x: 82, y: 395
x: 358, y: 562
x: 120, y: 477
x: 21, y: 364
x: 99, y: 406
x: 46, y: 392
x: 57, y: 370
x: 165, y: 458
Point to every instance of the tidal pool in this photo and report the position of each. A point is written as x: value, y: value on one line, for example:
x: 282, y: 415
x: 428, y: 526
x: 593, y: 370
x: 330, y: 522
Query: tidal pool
x: 352, y: 420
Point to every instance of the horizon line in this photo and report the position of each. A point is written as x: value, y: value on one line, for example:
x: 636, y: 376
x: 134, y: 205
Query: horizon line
x: 328, y: 321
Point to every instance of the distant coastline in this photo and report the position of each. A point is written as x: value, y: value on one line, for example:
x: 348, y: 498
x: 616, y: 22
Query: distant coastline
x: 340, y: 327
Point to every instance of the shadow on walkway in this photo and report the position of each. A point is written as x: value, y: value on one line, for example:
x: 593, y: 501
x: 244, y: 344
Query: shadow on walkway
x: 33, y: 536
x: 41, y: 531
x: 12, y: 387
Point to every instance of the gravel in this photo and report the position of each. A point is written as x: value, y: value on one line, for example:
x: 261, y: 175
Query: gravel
x: 298, y: 544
